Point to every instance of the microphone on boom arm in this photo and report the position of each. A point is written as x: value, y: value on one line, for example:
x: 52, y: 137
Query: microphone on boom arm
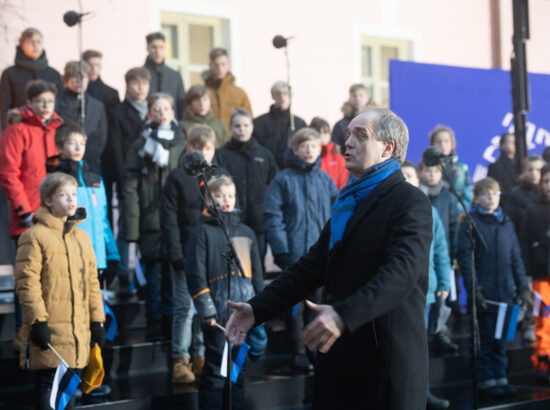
x: 280, y: 41
x: 433, y: 156
x: 194, y: 164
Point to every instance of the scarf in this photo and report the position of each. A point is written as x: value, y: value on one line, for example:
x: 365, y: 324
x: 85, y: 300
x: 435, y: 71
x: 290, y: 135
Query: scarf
x: 140, y: 107
x: 354, y: 193
x: 157, y: 142
x: 21, y: 60
x: 497, y: 214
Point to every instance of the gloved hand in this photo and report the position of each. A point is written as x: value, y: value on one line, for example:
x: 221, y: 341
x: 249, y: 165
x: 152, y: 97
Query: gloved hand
x: 98, y: 334
x: 281, y: 260
x: 40, y: 334
x: 26, y: 220
x: 109, y: 273
x: 523, y: 296
x: 179, y: 264
x: 480, y: 300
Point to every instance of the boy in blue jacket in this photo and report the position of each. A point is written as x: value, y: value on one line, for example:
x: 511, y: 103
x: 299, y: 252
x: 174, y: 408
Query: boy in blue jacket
x: 296, y: 208
x: 500, y: 278
x: 70, y: 141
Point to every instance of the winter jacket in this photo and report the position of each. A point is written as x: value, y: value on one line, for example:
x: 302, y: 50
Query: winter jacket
x: 376, y: 279
x: 504, y: 171
x: 334, y: 164
x: 180, y: 214
x: 520, y: 200
x: 296, y: 207
x: 24, y: 148
x: 15, y: 78
x: 252, y: 168
x: 206, y: 268
x: 225, y: 97
x: 125, y: 127
x: 462, y: 181
x: 143, y: 192
x: 272, y: 130
x: 107, y: 95
x: 500, y: 270
x: 56, y: 281
x: 190, y: 119
x: 95, y: 124
x: 535, y: 239
x: 90, y: 195
x: 440, y: 264
x: 166, y: 80
x: 446, y: 204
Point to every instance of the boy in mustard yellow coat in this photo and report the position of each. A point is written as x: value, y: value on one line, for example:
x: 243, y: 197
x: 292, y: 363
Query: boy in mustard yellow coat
x: 56, y: 281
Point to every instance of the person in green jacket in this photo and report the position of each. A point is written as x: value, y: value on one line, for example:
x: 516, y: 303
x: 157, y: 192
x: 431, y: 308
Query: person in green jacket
x: 199, y: 111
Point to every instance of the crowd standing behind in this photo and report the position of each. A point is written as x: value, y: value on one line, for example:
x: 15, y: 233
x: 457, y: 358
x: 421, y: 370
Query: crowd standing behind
x: 279, y: 180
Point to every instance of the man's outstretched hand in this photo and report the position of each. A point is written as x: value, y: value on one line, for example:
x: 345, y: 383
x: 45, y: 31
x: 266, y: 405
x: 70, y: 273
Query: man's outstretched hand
x: 323, y: 331
x: 240, y: 322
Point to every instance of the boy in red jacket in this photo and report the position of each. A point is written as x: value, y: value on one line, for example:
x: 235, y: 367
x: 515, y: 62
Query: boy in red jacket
x: 332, y: 160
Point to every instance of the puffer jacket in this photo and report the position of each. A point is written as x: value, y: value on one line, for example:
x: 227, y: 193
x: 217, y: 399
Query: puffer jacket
x: 226, y: 96
x: 334, y: 164
x: 297, y: 206
x: 499, y: 270
x: 56, y: 281
x: 535, y: 238
x: 521, y: 199
x: 90, y: 194
x: 206, y: 268
x: 440, y: 264
x: 15, y: 78
x: 190, y: 119
x: 24, y: 148
x: 143, y: 185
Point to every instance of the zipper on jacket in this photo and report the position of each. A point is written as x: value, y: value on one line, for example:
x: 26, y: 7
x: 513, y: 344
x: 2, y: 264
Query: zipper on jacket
x: 72, y: 299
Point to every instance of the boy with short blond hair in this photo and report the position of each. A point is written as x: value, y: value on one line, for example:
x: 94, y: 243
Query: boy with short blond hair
x: 500, y: 276
x: 296, y: 208
x: 56, y: 281
x: 199, y: 111
x: 206, y: 270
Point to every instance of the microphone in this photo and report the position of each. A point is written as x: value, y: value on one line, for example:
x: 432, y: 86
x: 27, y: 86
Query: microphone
x: 194, y: 164
x: 280, y: 41
x: 72, y: 17
x: 433, y: 156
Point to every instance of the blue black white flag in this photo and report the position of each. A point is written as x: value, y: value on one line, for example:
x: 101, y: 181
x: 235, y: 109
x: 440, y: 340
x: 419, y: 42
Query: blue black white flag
x: 540, y: 309
x: 507, y: 321
x: 237, y: 364
x: 111, y: 324
x: 64, y: 385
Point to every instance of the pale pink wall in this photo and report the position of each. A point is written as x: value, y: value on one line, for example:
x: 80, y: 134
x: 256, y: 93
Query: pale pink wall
x: 323, y: 55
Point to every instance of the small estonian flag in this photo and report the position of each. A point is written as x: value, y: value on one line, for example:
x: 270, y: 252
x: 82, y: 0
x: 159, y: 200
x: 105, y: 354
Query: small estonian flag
x: 237, y: 364
x: 64, y: 385
x: 111, y: 324
x: 540, y: 309
x: 507, y: 321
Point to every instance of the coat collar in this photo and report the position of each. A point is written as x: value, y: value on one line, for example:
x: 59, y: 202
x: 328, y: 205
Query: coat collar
x: 45, y: 217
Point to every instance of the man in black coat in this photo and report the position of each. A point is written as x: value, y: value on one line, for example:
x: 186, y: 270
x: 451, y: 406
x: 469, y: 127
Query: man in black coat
x: 96, y: 87
x: 272, y: 129
x: 30, y: 64
x: 369, y: 330
x: 163, y: 78
x: 504, y: 168
x: 67, y: 106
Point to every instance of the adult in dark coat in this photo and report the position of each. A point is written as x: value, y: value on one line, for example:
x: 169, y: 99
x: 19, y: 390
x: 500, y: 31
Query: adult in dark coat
x: 163, y: 78
x: 504, y: 168
x: 370, y: 330
x: 96, y: 87
x: 30, y: 64
x: 272, y: 129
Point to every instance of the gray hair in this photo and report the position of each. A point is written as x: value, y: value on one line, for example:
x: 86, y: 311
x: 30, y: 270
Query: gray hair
x: 389, y: 127
x: 280, y: 86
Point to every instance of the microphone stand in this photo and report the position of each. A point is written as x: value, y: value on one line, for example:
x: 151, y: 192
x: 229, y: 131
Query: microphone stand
x: 292, y: 127
x: 81, y: 66
x: 474, y: 234
x: 232, y: 259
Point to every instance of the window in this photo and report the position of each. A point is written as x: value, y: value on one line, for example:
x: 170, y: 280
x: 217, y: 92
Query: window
x: 189, y: 40
x: 376, y: 54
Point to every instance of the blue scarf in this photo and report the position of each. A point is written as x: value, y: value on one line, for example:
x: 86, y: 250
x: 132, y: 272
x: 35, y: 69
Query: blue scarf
x: 497, y: 214
x: 355, y: 192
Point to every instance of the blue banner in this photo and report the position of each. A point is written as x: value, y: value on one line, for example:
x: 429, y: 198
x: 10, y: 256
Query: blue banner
x: 475, y: 103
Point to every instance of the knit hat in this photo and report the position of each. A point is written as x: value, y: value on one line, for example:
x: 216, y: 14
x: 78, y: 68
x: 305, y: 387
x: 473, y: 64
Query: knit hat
x: 257, y: 339
x: 92, y: 376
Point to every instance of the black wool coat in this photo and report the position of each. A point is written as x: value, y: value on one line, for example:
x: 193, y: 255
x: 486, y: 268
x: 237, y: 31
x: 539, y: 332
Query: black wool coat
x: 272, y: 130
x: 166, y: 80
x: 107, y: 95
x: 535, y: 239
x: 376, y: 278
x: 95, y: 124
x: 253, y: 168
x: 504, y: 171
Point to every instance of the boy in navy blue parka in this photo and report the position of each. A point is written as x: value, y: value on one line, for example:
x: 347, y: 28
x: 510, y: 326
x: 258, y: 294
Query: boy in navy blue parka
x: 500, y: 278
x: 296, y: 208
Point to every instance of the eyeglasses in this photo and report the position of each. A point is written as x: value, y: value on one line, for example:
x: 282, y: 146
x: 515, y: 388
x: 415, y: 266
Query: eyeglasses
x: 43, y: 102
x: 490, y: 194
